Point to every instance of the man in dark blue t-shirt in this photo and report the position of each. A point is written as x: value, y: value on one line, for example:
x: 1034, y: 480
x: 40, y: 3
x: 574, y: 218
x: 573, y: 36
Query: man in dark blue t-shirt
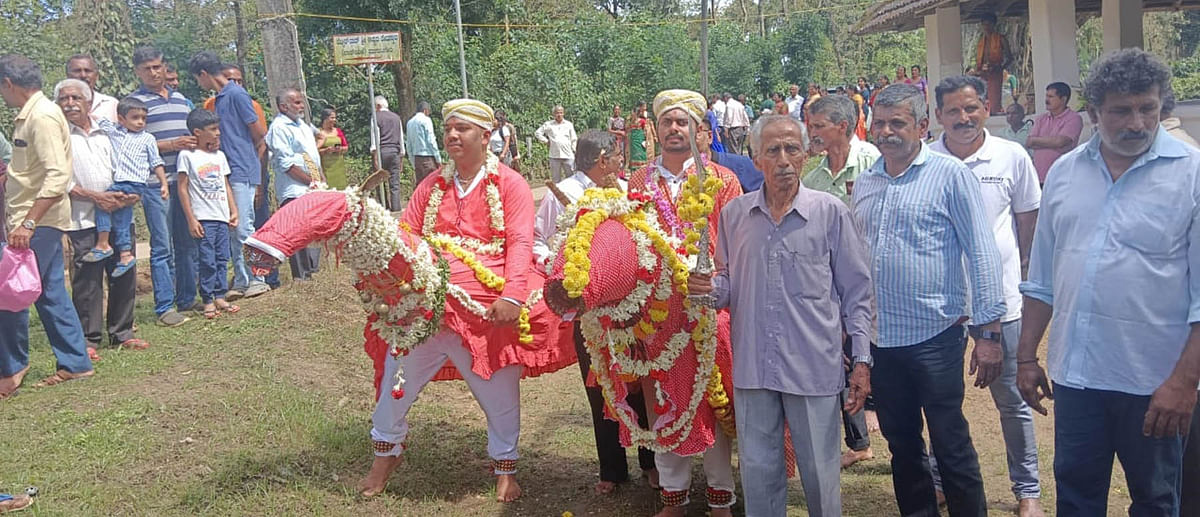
x: 242, y: 135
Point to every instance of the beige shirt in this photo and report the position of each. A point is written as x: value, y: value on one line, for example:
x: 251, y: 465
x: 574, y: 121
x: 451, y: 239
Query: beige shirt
x: 41, y: 164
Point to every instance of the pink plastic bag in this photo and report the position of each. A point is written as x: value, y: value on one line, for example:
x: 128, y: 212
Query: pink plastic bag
x: 20, y: 282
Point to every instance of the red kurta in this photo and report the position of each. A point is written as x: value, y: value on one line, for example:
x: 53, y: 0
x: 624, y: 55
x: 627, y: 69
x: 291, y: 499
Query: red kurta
x: 492, y: 347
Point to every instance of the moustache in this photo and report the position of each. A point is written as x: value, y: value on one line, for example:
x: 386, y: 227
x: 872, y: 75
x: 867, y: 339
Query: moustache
x: 966, y: 125
x: 889, y: 140
x: 1133, y: 135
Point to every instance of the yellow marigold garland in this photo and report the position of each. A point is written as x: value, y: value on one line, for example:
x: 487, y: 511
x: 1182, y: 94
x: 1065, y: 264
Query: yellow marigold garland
x: 486, y: 276
x: 695, y: 206
x: 526, y: 337
x: 719, y: 401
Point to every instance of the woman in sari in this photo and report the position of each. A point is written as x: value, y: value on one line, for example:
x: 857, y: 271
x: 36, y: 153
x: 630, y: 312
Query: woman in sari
x: 617, y: 126
x: 641, y: 137
x: 332, y: 145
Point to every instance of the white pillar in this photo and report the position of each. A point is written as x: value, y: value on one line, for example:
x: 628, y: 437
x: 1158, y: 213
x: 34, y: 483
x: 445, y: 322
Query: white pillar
x: 1052, y: 33
x: 944, y: 44
x: 1122, y: 24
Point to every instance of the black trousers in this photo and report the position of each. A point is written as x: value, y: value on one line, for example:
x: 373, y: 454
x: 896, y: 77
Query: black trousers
x: 928, y: 378
x: 613, y: 465
x: 87, y: 292
x: 306, y: 261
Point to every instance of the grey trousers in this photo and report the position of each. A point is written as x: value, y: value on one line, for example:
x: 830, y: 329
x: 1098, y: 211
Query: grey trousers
x: 393, y: 162
x: 306, y: 261
x: 561, y: 168
x: 1190, y: 495
x: 815, y: 426
x: 87, y: 293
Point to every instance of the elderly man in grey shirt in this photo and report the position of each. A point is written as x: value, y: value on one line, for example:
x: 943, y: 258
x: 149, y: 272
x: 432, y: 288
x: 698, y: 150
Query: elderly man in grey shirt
x: 793, y: 271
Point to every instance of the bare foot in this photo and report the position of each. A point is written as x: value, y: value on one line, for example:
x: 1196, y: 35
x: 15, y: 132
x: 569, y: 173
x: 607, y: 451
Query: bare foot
x: 652, y: 478
x: 1030, y: 507
x: 507, y: 489
x: 852, y: 456
x: 941, y: 498
x: 9, y: 385
x: 376, y: 480
x: 872, y: 422
x: 675, y: 511
x: 605, y: 487
x: 720, y: 512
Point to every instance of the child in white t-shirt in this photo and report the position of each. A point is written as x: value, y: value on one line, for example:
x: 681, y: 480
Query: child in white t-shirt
x: 205, y: 195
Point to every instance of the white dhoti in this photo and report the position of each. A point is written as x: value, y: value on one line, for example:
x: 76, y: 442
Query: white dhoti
x: 499, y: 397
x: 675, y: 473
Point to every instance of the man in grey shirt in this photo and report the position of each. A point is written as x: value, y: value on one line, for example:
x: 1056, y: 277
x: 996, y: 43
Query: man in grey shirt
x: 793, y: 271
x: 391, y: 149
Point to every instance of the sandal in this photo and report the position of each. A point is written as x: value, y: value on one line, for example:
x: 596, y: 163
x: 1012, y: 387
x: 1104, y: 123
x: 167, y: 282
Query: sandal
x: 62, y: 376
x: 96, y: 255
x: 211, y: 314
x: 123, y: 268
x: 231, y: 308
x: 134, y: 344
x: 93, y: 354
x: 12, y: 503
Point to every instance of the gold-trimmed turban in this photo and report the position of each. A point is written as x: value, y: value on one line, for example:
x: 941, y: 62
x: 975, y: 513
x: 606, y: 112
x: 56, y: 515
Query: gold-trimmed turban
x: 689, y: 101
x: 471, y: 111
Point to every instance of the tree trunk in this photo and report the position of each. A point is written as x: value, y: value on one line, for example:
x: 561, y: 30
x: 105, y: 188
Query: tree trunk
x: 402, y: 76
x: 281, y: 48
x: 241, y: 42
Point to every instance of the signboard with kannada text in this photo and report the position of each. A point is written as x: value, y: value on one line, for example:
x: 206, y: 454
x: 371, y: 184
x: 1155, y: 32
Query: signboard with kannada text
x: 364, y: 48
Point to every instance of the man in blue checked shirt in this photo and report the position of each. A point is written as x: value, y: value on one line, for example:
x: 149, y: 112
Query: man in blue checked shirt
x: 923, y: 218
x: 1113, y: 264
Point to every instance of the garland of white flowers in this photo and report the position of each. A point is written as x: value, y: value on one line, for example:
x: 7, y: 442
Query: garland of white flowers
x: 619, y: 342
x: 491, y: 170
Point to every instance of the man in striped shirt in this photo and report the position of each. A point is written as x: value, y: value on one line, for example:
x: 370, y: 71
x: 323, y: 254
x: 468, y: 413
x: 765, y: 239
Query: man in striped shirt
x: 923, y: 217
x: 172, y: 249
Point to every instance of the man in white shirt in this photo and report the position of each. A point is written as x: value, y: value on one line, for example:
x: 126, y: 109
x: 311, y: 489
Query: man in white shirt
x: 737, y: 123
x: 1009, y: 184
x: 296, y: 162
x: 718, y: 108
x: 83, y: 67
x: 795, y: 102
x: 92, y: 174
x: 559, y: 135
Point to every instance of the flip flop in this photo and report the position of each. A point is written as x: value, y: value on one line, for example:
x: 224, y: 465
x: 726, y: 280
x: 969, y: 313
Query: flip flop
x: 93, y: 354
x: 12, y: 503
x: 96, y: 255
x: 231, y: 308
x: 134, y: 344
x: 61, y: 376
x: 121, y: 269
x: 212, y: 314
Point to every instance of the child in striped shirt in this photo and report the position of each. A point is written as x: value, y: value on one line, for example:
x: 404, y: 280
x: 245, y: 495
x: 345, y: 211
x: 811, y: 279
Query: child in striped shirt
x: 135, y: 154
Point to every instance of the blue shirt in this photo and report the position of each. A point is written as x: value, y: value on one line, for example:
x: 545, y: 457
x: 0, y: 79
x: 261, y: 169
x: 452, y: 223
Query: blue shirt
x: 166, y: 119
x: 920, y: 227
x: 748, y: 175
x: 419, y: 133
x: 237, y: 113
x: 134, y: 154
x: 1114, y: 260
x: 289, y: 141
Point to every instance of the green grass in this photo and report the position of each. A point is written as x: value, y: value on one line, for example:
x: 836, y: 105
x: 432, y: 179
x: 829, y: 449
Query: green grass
x: 267, y: 412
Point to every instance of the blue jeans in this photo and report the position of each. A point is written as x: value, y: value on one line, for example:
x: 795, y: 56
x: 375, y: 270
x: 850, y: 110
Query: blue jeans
x: 162, y: 260
x: 261, y: 214
x: 928, y: 378
x: 213, y: 252
x: 185, y: 253
x: 120, y: 220
x: 243, y: 197
x: 55, y: 309
x: 813, y: 422
x: 1090, y: 426
x: 1016, y: 423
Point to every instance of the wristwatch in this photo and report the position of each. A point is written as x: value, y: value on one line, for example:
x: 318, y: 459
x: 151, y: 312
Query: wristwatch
x: 29, y: 224
x: 979, y: 333
x: 864, y: 359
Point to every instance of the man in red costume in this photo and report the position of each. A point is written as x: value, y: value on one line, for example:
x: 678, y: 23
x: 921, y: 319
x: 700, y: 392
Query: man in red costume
x: 663, y: 180
x: 486, y: 209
